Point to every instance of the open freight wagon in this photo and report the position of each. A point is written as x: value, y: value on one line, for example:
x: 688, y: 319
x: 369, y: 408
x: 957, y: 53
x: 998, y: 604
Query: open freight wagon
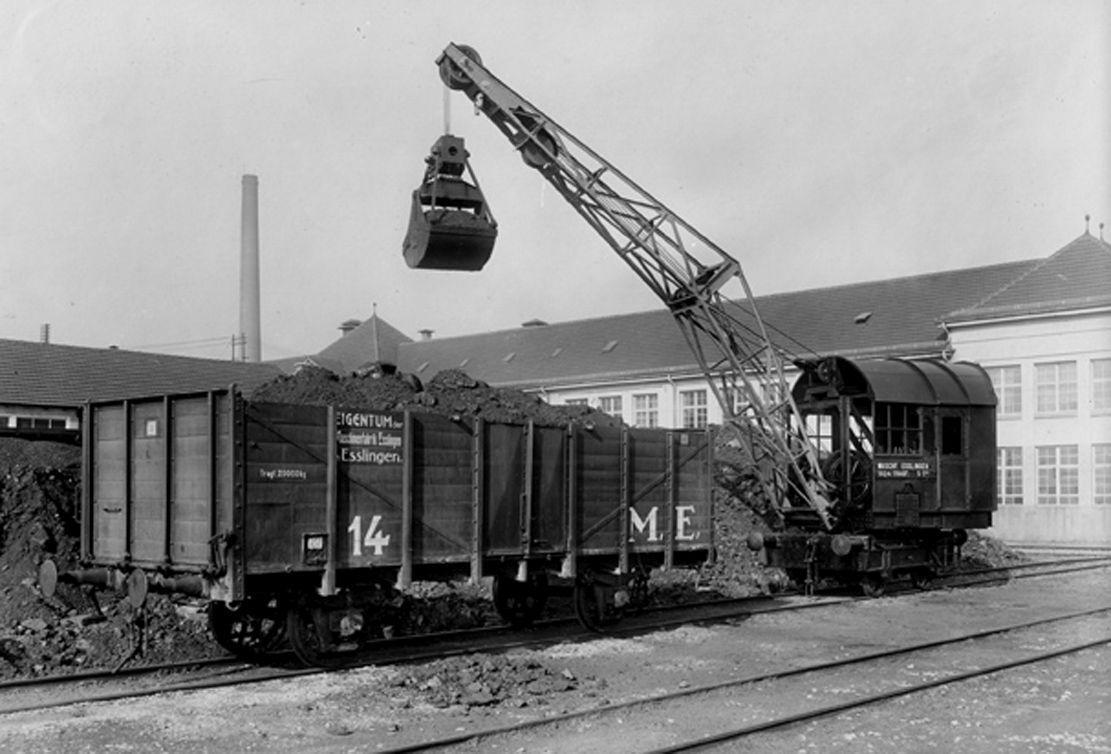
x: 302, y: 519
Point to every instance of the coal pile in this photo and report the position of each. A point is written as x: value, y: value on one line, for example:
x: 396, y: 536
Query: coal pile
x: 39, y: 499
x: 487, y: 681
x: 451, y: 392
x: 737, y: 571
x: 982, y: 551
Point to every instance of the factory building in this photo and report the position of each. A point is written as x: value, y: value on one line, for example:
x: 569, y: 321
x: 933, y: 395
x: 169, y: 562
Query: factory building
x: 1041, y: 327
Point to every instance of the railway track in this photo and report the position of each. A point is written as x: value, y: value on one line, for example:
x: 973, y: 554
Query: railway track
x: 638, y: 715
x: 28, y: 694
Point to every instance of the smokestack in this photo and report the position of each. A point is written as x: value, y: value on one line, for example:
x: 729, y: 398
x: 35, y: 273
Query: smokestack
x: 250, y: 326
x: 44, y: 332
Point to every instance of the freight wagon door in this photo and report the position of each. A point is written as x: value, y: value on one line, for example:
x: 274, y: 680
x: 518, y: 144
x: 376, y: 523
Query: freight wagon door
x: 670, y: 478
x: 693, y: 527
x: 284, y: 450
x: 442, y: 490
x: 599, y: 482
x: 372, y: 451
x: 524, y: 486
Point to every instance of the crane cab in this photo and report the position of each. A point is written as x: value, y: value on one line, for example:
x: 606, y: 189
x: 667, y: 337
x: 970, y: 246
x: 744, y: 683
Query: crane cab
x: 908, y: 448
x: 450, y: 225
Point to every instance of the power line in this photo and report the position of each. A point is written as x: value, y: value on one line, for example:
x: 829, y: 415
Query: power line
x: 180, y: 343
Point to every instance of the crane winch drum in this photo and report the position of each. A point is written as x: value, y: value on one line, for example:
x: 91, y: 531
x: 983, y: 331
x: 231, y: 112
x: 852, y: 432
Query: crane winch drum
x: 450, y: 225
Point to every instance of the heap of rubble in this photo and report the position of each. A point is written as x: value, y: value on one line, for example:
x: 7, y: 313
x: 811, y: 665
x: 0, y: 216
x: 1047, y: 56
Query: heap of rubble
x: 39, y: 499
x: 485, y: 681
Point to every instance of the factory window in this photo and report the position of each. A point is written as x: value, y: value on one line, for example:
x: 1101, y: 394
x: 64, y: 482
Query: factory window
x: 771, y: 396
x: 898, y: 429
x: 646, y: 412
x: 1009, y: 475
x: 1058, y: 475
x: 1056, y: 387
x: 774, y: 393
x: 1101, y: 386
x: 577, y: 402
x: 1007, y: 382
x: 610, y: 404
x: 29, y: 422
x: 693, y: 403
x: 1101, y: 473
x: 5, y: 421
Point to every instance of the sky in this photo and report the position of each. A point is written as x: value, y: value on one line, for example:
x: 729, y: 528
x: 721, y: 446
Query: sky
x: 819, y: 143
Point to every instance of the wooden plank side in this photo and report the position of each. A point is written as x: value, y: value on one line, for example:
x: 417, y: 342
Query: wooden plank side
x: 442, y: 491
x: 598, y: 485
x: 693, y: 513
x: 285, y: 484
x: 191, y: 482
x: 648, y: 469
x: 223, y: 463
x: 503, y: 485
x: 372, y: 450
x: 148, y: 481
x: 550, y: 493
x: 109, y: 488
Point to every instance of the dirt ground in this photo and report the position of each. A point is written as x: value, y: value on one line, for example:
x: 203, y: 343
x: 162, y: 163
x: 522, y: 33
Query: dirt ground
x: 1061, y: 705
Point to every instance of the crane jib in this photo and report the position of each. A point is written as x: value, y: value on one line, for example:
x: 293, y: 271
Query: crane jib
x: 684, y: 268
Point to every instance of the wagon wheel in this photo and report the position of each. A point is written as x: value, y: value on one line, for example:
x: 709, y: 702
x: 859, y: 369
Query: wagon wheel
x: 638, y: 588
x: 312, y: 638
x: 860, y: 475
x: 921, y: 578
x: 595, y: 606
x: 872, y: 586
x: 247, y: 631
x: 520, y: 604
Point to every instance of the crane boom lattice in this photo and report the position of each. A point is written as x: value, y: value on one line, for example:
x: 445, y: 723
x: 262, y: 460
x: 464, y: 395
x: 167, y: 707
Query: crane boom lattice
x: 686, y: 270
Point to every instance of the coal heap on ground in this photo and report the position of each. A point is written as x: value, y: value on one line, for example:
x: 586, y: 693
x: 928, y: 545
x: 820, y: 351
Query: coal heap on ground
x: 451, y: 392
x: 39, y: 507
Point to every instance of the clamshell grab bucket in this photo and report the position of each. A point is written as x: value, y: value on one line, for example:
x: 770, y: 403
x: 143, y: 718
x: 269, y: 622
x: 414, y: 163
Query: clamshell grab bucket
x: 450, y: 225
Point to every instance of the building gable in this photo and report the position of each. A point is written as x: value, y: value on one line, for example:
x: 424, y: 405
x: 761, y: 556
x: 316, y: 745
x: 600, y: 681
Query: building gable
x: 1077, y: 276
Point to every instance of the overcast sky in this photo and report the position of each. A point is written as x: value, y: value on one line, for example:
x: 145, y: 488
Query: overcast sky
x: 820, y: 143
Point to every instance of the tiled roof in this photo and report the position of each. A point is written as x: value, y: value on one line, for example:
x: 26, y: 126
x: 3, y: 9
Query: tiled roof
x: 897, y: 316
x: 372, y: 341
x: 1077, y: 276
x: 375, y: 340
x: 46, y: 374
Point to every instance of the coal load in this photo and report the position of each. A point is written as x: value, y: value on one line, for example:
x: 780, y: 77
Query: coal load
x: 450, y: 393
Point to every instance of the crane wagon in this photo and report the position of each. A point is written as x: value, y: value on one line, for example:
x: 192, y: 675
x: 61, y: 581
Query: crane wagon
x: 820, y: 456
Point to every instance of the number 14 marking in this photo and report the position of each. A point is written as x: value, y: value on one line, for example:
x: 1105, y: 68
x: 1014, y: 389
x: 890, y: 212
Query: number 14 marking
x: 372, y: 538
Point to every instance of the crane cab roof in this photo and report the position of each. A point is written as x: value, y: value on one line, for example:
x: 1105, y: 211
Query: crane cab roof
x: 930, y: 382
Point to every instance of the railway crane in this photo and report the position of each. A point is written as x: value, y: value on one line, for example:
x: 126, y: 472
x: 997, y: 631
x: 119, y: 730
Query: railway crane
x: 780, y: 470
